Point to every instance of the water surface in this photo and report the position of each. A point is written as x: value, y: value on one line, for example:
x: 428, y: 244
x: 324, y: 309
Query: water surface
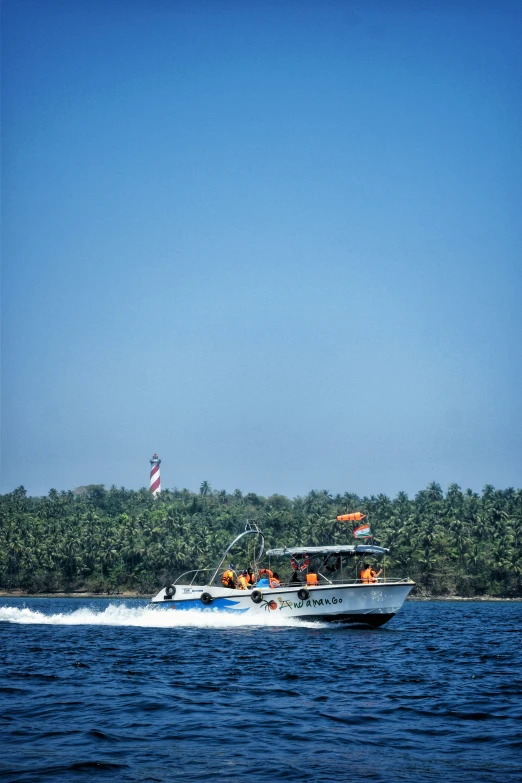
x: 116, y: 690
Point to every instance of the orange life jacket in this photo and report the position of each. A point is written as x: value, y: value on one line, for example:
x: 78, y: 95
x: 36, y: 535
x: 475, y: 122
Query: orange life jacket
x: 274, y: 582
x: 227, y: 580
x: 368, y: 575
x: 251, y: 578
x: 311, y: 579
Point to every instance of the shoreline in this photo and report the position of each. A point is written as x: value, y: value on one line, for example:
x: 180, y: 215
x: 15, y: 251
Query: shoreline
x: 460, y: 598
x: 147, y: 596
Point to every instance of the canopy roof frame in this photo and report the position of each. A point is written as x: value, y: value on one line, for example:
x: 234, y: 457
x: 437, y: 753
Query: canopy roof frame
x: 339, y: 549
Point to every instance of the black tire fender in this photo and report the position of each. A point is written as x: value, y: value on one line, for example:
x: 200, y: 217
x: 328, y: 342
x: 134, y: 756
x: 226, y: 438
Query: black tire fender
x: 206, y: 598
x: 170, y: 591
x: 303, y: 594
x: 256, y: 596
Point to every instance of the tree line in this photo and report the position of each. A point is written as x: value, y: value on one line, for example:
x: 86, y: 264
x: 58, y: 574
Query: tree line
x: 108, y: 540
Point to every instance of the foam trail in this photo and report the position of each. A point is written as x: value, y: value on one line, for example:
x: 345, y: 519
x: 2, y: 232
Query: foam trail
x: 149, y: 617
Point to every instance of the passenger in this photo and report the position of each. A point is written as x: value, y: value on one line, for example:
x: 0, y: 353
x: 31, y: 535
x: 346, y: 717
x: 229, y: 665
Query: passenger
x: 275, y: 581
x: 242, y: 582
x: 251, y: 577
x: 312, y: 578
x: 228, y: 580
x: 295, y: 578
x: 368, y: 574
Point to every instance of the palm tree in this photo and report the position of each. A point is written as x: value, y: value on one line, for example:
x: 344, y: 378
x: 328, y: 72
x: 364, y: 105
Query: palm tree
x: 205, y: 489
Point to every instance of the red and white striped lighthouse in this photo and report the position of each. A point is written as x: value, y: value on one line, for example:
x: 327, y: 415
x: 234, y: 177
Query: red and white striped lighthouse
x: 155, y: 481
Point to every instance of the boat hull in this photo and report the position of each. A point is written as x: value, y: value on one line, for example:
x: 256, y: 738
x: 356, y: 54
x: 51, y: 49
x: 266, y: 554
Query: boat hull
x: 367, y: 604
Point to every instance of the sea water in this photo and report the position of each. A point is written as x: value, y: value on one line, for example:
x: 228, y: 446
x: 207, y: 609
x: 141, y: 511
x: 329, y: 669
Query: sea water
x: 117, y: 690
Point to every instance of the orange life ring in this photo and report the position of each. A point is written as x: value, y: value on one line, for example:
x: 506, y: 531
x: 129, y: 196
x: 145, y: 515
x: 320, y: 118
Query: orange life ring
x: 304, y: 565
x: 266, y: 571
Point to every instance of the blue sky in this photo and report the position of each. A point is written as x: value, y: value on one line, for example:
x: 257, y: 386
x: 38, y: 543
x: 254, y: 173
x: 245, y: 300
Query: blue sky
x: 276, y: 242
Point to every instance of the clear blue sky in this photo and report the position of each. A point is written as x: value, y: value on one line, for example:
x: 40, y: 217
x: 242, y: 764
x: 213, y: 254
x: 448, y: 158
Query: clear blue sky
x: 279, y: 243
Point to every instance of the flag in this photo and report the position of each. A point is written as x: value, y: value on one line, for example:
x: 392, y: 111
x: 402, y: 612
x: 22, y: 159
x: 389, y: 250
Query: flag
x: 363, y: 531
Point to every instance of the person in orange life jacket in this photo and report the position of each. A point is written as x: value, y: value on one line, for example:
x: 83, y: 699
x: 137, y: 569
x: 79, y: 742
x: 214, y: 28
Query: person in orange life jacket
x: 275, y: 581
x: 312, y: 577
x: 242, y: 582
x: 368, y: 574
x: 251, y: 577
x: 227, y: 580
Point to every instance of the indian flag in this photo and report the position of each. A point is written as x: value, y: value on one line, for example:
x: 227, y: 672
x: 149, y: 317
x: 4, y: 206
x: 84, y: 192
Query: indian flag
x: 363, y: 531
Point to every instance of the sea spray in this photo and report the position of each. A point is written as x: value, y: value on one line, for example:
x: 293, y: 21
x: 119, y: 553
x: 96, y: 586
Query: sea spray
x: 119, y: 614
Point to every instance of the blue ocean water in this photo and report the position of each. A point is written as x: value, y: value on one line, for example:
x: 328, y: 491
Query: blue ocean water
x: 94, y: 690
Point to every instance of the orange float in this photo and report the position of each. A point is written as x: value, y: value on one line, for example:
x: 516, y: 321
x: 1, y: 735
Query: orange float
x: 356, y: 517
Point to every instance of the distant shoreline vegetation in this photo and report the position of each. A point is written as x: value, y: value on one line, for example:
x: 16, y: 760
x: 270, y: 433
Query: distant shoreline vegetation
x: 109, y: 540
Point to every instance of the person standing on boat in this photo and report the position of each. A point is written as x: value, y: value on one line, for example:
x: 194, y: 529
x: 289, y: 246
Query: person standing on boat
x: 228, y: 580
x: 368, y: 574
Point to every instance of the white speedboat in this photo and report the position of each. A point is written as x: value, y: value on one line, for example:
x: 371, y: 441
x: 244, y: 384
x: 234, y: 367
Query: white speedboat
x: 339, y: 596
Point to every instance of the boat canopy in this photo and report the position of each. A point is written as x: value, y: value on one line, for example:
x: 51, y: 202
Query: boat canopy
x: 341, y: 549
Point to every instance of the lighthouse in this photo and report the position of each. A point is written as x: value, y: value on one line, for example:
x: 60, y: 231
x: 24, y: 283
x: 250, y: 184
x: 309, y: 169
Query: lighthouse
x: 155, y: 481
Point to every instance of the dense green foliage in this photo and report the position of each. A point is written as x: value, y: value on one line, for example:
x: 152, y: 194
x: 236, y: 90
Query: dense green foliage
x: 99, y: 540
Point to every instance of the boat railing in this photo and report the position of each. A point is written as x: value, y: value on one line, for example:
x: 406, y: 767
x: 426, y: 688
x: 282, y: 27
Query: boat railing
x: 338, y: 582
x: 323, y: 580
x: 186, y: 573
x: 378, y: 580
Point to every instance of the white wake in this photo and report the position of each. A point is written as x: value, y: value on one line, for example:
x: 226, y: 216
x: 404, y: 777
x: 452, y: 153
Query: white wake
x: 149, y: 617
